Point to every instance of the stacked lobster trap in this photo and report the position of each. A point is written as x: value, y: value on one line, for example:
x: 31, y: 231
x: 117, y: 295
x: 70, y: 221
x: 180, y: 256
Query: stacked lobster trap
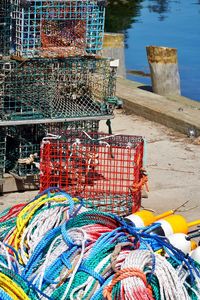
x: 49, y: 89
x: 57, y: 27
x: 51, y: 77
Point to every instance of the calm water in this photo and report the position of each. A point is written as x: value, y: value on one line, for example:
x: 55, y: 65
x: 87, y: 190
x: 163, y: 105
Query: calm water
x: 163, y: 23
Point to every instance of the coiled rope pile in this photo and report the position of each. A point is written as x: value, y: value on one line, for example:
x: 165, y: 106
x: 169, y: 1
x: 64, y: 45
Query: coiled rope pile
x: 55, y: 248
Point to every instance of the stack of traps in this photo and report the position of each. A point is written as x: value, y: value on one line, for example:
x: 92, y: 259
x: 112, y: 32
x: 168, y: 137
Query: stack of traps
x: 53, y: 81
x: 51, y: 69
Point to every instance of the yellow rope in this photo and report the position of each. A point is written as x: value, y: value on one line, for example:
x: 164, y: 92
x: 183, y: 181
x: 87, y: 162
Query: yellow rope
x: 12, y: 289
x: 26, y: 214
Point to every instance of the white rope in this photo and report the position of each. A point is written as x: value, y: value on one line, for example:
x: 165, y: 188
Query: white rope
x: 90, y: 281
x: 77, y: 240
x: 42, y: 223
x: 55, y: 250
x: 183, y: 274
x: 4, y: 251
x: 46, y: 262
x: 171, y: 285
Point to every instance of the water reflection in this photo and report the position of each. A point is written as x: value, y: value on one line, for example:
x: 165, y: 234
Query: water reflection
x: 121, y: 14
x: 161, y: 7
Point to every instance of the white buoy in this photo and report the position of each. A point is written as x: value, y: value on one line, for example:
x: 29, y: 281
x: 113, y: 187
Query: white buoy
x: 179, y: 241
x: 195, y: 254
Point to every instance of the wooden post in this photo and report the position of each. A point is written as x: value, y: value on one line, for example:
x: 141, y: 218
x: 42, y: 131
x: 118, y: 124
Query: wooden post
x: 113, y: 47
x: 164, y: 70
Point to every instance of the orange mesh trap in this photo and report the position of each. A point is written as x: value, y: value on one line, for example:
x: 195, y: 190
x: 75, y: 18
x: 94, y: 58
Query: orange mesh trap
x: 105, y: 171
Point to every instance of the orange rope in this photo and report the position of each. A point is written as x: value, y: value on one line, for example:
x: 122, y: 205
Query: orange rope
x: 143, y: 181
x: 123, y: 274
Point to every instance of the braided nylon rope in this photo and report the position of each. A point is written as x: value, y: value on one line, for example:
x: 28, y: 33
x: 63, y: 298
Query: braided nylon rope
x: 54, y: 248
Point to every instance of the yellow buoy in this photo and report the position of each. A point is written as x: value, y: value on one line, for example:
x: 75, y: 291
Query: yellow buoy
x: 144, y: 217
x: 175, y: 224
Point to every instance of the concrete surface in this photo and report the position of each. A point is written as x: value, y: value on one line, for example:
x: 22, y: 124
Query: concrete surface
x: 173, y: 165
x: 177, y: 112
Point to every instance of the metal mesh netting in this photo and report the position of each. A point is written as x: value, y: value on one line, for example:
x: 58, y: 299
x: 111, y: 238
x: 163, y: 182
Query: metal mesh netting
x: 58, y: 28
x: 104, y: 170
x: 56, y: 88
x: 2, y: 151
x: 5, y: 27
x: 21, y: 151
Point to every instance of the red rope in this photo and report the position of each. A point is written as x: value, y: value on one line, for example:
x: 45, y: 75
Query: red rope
x: 13, y: 212
x: 123, y: 274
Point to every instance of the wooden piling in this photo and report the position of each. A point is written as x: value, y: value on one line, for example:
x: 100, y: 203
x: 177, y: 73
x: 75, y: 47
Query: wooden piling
x: 113, y: 47
x: 163, y: 65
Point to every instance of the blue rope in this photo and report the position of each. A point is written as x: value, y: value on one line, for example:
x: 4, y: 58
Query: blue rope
x: 59, y: 192
x: 4, y: 295
x: 39, y: 250
x: 177, y: 253
x: 91, y: 272
x: 13, y: 249
x: 98, y: 294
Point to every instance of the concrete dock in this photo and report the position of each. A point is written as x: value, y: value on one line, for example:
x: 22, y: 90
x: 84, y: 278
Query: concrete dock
x: 177, y: 112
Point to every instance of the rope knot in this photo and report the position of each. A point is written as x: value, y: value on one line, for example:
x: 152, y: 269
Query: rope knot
x: 123, y: 274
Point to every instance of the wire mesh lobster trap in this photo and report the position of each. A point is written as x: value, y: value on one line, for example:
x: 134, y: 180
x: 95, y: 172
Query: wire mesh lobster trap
x: 56, y: 89
x: 57, y: 28
x: 5, y: 27
x: 106, y: 171
x: 20, y: 145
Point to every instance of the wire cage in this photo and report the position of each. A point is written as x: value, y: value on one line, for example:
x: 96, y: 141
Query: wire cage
x: 5, y: 27
x: 56, y: 89
x: 105, y: 171
x: 20, y: 151
x: 57, y: 28
x: 2, y: 153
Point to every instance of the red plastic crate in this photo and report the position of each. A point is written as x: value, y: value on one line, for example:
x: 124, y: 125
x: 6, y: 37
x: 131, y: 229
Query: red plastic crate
x: 105, y: 171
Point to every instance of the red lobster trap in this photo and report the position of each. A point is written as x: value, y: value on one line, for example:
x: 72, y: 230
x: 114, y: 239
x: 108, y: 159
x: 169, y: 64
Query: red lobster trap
x: 106, y: 171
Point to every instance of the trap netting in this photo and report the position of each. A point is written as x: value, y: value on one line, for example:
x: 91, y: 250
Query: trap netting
x: 56, y: 88
x: 20, y: 151
x: 107, y: 171
x: 2, y: 152
x: 5, y: 27
x: 57, y: 28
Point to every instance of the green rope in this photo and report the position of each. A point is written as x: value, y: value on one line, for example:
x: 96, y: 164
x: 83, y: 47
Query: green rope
x: 20, y: 282
x: 152, y: 279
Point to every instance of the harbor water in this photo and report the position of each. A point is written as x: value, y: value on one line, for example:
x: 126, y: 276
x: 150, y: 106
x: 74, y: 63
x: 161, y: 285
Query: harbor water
x: 169, y: 23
